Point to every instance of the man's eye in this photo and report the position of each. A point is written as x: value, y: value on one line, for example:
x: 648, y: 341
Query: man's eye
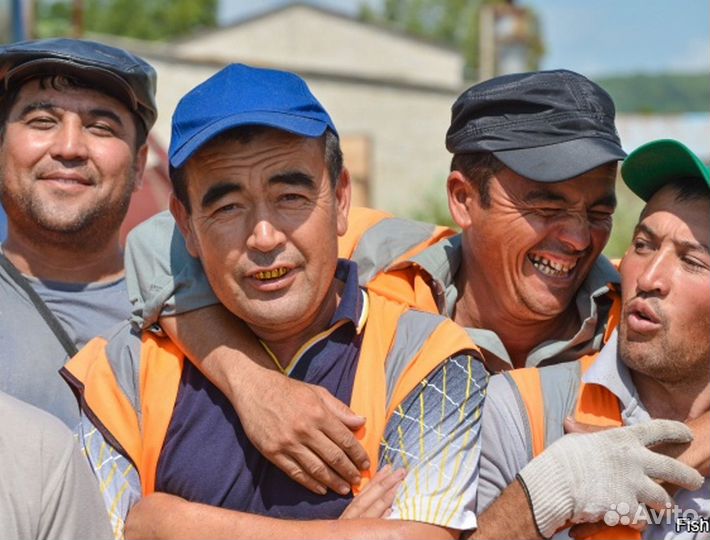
x: 101, y: 129
x: 42, y: 122
x: 292, y: 198
x: 641, y: 246
x: 694, y: 264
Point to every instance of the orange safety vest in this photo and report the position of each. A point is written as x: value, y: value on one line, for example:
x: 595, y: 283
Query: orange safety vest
x: 135, y: 422
x: 407, y: 285
x: 595, y: 405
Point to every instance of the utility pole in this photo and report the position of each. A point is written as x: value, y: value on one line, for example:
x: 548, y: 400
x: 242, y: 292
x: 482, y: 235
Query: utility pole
x: 77, y: 18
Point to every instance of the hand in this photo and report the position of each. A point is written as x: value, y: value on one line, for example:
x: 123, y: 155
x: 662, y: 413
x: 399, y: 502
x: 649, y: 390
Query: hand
x: 580, y: 477
x: 375, y: 500
x: 304, y: 431
x: 572, y: 426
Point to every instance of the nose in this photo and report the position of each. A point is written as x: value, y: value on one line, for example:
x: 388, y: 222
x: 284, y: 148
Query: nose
x: 70, y: 141
x: 265, y: 236
x: 574, y: 232
x: 655, y: 274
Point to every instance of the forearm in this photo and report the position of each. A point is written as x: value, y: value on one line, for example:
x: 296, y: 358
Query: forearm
x: 223, y: 347
x: 169, y: 517
x: 509, y: 516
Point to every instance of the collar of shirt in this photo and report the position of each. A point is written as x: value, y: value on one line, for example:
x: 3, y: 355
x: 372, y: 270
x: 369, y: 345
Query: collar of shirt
x: 442, y: 261
x: 353, y: 308
x: 610, y: 372
x: 353, y: 298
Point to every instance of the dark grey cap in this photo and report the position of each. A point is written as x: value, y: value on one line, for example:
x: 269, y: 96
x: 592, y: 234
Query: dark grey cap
x: 114, y: 71
x: 547, y: 126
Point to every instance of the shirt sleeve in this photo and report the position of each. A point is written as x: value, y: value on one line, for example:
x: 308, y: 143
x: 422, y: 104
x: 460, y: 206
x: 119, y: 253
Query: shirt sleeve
x: 161, y: 276
x: 434, y: 434
x: 505, y: 449
x: 119, y: 483
x: 70, y: 502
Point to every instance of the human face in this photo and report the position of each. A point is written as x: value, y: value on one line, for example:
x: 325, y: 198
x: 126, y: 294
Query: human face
x: 69, y: 164
x: 265, y: 221
x: 665, y: 278
x: 533, y: 246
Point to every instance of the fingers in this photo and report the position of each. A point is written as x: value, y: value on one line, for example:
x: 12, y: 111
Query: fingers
x: 341, y: 411
x: 296, y: 473
x: 654, y: 496
x: 661, y: 431
x: 376, y: 499
x: 667, y: 469
x: 330, y: 465
x: 339, y: 430
x: 572, y: 426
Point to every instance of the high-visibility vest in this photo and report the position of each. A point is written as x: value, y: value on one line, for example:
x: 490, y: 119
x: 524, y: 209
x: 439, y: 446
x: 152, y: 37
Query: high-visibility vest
x: 127, y: 383
x: 377, y: 241
x: 552, y: 393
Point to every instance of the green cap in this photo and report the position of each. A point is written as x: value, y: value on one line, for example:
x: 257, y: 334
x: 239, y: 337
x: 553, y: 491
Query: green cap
x: 653, y: 165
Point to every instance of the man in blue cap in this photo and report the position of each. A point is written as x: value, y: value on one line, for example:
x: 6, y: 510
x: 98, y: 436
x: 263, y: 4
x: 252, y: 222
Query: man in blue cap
x: 74, y: 116
x: 261, y: 196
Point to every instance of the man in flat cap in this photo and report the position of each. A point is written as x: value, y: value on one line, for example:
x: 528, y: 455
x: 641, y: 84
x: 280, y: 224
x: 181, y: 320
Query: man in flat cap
x: 74, y: 117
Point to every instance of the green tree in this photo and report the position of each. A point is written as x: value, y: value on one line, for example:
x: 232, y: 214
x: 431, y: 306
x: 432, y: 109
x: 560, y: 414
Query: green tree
x: 143, y: 19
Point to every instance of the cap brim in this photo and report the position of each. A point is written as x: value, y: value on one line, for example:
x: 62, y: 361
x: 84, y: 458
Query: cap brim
x: 107, y: 81
x: 653, y: 165
x: 298, y: 125
x: 561, y: 161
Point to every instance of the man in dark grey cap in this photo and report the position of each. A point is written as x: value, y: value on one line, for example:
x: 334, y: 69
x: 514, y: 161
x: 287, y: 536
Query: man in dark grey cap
x: 74, y: 117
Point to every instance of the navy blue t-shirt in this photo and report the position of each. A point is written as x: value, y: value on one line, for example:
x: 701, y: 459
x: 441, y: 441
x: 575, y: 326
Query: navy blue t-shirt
x: 208, y: 458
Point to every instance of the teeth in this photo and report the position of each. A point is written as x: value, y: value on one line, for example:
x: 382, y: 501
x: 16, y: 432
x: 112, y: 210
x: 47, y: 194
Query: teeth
x: 270, y: 274
x: 550, y: 268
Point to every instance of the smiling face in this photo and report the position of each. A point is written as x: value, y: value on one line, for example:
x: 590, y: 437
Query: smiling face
x: 665, y: 326
x: 69, y: 163
x: 264, y: 221
x: 530, y: 248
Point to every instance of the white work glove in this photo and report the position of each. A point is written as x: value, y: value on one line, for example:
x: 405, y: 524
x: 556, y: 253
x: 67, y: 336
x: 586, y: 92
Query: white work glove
x: 582, y: 476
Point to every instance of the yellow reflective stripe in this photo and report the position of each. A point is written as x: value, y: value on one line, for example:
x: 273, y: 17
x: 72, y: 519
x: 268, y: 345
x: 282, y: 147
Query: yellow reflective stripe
x: 459, y: 458
x: 117, y: 533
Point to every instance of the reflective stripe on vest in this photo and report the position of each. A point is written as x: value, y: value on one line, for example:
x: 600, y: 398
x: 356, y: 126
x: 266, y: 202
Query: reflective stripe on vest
x: 134, y: 416
x: 376, y: 240
x: 547, y: 395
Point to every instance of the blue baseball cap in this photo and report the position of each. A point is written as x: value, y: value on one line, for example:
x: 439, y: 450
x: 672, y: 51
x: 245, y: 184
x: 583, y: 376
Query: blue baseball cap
x: 114, y: 71
x: 240, y: 95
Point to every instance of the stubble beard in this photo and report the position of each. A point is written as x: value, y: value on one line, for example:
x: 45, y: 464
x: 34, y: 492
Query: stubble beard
x: 88, y: 229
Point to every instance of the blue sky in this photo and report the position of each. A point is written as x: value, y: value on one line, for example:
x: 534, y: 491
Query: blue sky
x: 594, y: 37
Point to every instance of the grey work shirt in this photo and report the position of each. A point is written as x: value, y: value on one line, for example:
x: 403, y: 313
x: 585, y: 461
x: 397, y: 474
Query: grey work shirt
x: 505, y: 449
x: 47, y: 489
x: 30, y: 353
x: 163, y: 279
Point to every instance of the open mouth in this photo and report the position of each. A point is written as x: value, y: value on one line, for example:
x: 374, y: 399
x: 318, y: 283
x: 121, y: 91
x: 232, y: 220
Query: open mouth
x: 268, y: 275
x: 551, y: 268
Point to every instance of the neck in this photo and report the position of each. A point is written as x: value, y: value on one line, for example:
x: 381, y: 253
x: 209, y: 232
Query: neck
x: 478, y: 306
x: 285, y: 341
x: 683, y: 401
x: 63, y: 259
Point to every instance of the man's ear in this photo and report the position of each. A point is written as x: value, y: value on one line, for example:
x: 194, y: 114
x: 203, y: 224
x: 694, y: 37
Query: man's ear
x: 182, y: 218
x: 343, y: 194
x: 140, y: 163
x: 462, y: 196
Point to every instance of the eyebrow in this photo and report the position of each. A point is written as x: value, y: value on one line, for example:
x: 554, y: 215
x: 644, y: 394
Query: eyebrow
x: 217, y: 191
x: 546, y: 196
x: 686, y: 245
x: 293, y: 178
x: 48, y: 106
